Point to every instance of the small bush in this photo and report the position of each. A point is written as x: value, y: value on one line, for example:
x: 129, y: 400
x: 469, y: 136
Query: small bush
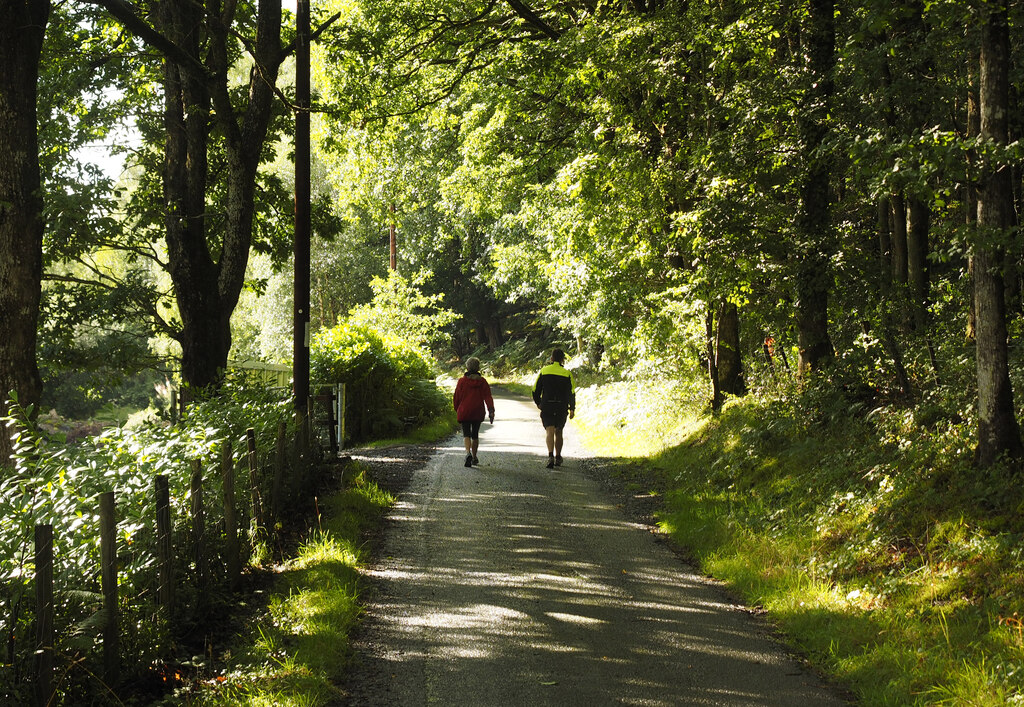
x: 388, y: 381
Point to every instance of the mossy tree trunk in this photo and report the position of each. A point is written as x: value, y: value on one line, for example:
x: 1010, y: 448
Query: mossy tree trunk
x: 22, y: 27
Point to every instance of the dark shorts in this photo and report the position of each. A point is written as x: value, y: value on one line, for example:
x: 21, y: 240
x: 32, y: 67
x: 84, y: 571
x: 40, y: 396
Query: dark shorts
x: 554, y: 416
x: 472, y: 429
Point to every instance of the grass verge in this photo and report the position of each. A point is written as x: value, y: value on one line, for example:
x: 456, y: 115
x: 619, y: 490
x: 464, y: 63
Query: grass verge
x: 874, y: 546
x: 435, y: 429
x: 296, y: 651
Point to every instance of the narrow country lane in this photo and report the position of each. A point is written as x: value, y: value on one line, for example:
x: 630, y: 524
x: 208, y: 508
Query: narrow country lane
x: 512, y: 584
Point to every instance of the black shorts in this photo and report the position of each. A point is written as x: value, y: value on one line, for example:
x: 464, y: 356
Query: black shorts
x: 554, y: 416
x: 472, y: 429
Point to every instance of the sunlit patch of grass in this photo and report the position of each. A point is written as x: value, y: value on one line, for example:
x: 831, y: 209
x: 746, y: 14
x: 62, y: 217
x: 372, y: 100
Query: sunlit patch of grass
x: 516, y: 387
x: 432, y: 430
x: 323, y: 547
x: 633, y: 419
x: 294, y: 653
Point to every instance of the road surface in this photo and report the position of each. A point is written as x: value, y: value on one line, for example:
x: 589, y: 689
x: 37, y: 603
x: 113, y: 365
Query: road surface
x: 512, y: 584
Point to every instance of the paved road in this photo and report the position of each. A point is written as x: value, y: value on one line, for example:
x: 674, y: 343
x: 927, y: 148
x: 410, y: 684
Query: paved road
x: 512, y: 584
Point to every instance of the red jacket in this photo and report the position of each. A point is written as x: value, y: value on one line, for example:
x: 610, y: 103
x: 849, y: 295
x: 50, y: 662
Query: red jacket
x: 471, y: 393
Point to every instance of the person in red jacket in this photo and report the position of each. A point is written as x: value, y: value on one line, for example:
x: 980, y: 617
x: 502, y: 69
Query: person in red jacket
x: 472, y: 393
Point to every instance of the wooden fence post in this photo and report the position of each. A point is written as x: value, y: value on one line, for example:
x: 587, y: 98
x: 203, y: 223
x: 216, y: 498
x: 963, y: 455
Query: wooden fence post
x: 164, y: 550
x: 254, y: 482
x: 198, y: 529
x: 340, y: 392
x: 325, y: 399
x: 44, y: 615
x: 279, y: 463
x: 227, y: 468
x: 108, y: 583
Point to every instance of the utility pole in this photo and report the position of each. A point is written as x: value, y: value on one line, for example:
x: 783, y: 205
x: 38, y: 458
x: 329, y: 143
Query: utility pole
x: 394, y: 240
x: 300, y: 366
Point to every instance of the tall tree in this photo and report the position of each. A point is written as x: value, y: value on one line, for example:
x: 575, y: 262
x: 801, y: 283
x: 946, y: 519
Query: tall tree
x: 998, y: 431
x: 208, y: 243
x: 814, y: 225
x: 918, y: 114
x: 22, y: 28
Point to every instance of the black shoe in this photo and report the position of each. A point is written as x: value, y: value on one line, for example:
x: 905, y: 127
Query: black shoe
x: 469, y: 460
x: 476, y: 462
x: 551, y: 463
x: 558, y: 461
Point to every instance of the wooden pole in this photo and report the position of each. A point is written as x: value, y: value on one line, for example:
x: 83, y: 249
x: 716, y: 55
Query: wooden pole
x: 108, y: 584
x: 254, y: 482
x: 306, y: 449
x: 393, y: 240
x: 300, y: 332
x: 44, y: 615
x: 198, y: 530
x: 164, y: 549
x: 227, y: 468
x: 298, y: 476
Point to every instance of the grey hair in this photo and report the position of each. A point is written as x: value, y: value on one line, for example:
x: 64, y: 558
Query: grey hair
x: 473, y: 364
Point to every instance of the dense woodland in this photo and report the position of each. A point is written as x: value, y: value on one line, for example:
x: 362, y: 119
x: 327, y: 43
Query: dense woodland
x: 676, y: 186
x: 821, y: 192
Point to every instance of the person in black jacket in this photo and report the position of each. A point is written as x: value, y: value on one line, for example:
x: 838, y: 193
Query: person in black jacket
x: 554, y: 395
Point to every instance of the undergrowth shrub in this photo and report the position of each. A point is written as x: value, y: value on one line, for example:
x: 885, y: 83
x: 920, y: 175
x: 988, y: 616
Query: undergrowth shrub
x: 59, y: 484
x: 388, y: 381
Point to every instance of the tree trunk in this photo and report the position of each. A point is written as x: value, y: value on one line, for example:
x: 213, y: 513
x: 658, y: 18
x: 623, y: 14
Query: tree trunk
x: 900, y: 273
x: 204, y: 344
x: 495, y: 338
x: 998, y: 431
x: 22, y: 27
x: 884, y: 249
x: 198, y: 88
x: 1013, y: 267
x: 728, y: 361
x: 716, y: 390
x: 885, y: 289
x: 917, y: 263
x: 814, y: 217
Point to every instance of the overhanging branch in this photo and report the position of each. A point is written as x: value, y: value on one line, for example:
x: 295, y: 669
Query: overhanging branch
x: 524, y: 11
x: 127, y: 15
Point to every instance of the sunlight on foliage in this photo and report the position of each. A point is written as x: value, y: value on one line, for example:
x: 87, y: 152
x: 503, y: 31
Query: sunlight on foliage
x: 636, y: 419
x: 389, y: 382
x: 400, y: 310
x: 59, y: 484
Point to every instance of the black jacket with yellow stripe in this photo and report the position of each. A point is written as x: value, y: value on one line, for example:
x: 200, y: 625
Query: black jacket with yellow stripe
x: 554, y: 388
